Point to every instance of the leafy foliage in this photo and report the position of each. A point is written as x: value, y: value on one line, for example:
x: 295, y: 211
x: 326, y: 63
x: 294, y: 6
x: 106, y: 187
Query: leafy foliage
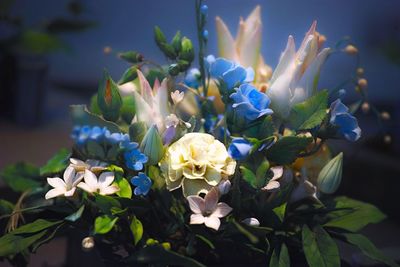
x: 286, y: 149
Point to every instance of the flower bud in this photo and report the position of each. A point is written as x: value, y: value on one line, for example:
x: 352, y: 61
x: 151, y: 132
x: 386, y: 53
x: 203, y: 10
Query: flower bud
x: 330, y: 176
x: 224, y: 187
x: 131, y: 56
x: 351, y: 50
x: 177, y: 96
x: 187, y: 52
x: 108, y: 98
x: 365, y: 107
x: 363, y: 83
x: 152, y: 146
x: 107, y: 50
x: 360, y: 71
x: 251, y: 222
x: 88, y: 243
x: 385, y: 115
x: 205, y: 35
x: 387, y: 139
x: 173, y: 69
x: 129, y: 75
x: 204, y: 10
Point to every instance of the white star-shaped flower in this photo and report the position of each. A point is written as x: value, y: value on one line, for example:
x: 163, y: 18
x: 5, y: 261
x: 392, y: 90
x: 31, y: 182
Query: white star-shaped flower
x: 208, y: 210
x: 64, y: 187
x: 93, y: 165
x: 102, y: 185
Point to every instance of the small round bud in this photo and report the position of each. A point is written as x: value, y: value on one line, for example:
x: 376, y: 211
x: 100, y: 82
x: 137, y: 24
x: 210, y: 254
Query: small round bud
x: 387, y: 139
x: 360, y: 71
x: 204, y: 10
x: 88, y: 243
x: 365, y: 107
x: 385, y: 115
x: 107, y: 50
x: 350, y: 49
x: 205, y: 35
x: 342, y: 93
x: 363, y: 83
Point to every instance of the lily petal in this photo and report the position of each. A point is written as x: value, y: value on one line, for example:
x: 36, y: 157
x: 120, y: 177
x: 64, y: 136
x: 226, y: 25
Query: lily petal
x: 226, y: 43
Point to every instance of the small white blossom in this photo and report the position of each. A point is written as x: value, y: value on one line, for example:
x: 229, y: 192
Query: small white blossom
x: 90, y: 164
x: 177, y: 96
x: 102, y: 185
x: 208, y: 210
x: 64, y: 187
x: 273, y: 184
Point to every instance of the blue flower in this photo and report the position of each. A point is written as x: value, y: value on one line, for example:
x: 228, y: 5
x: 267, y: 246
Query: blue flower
x: 116, y: 138
x: 142, y: 183
x: 134, y: 159
x: 192, y: 78
x: 82, y: 134
x: 239, y: 149
x: 229, y: 72
x: 347, y: 124
x: 127, y: 145
x: 249, y: 104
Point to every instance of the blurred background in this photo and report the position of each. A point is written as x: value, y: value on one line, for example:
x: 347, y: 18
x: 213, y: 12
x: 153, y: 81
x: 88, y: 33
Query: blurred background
x: 53, y: 54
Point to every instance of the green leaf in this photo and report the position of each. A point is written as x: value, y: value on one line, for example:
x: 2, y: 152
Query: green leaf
x: 319, y: 248
x: 39, y: 42
x: 82, y: 116
x: 136, y: 229
x: 137, y: 131
x: 105, y: 203
x: 21, y: 176
x: 57, y: 163
x: 353, y: 215
x: 176, y: 42
x: 6, y: 207
x: 128, y: 109
x: 206, y: 241
x: 76, y: 215
x: 310, y: 113
x: 280, y: 257
x: 280, y: 211
x: 12, y: 244
x: 158, y: 254
x: 286, y: 149
x: 261, y: 172
x: 49, y: 237
x: 94, y: 107
x: 367, y: 247
x: 249, y: 176
x: 129, y: 75
x: 243, y: 230
x: 125, y: 189
x: 34, y: 227
x: 104, y: 224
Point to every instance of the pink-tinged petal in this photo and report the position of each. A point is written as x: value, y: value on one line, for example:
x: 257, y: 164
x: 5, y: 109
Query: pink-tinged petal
x: 70, y: 193
x: 54, y: 193
x: 212, y: 222
x: 197, y: 219
x: 310, y: 32
x: 249, y: 51
x: 251, y: 222
x: 109, y: 190
x: 226, y: 43
x: 161, y: 104
x: 145, y: 88
x: 144, y: 112
x: 222, y: 210
x: 156, y: 86
x: 277, y: 171
x: 211, y: 200
x: 106, y: 178
x: 86, y: 188
x: 196, y: 204
x: 69, y: 175
x: 272, y: 186
x: 56, y: 182
x: 254, y: 18
x: 90, y: 179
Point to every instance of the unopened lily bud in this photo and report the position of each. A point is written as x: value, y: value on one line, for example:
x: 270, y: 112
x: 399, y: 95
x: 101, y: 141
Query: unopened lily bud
x: 107, y: 50
x: 177, y: 96
x: 360, y: 71
x: 224, y: 187
x: 88, y: 243
x: 351, y: 50
x: 152, y: 146
x: 387, y: 139
x: 108, y: 98
x: 363, y: 83
x: 385, y: 115
x: 365, y: 107
x: 331, y: 175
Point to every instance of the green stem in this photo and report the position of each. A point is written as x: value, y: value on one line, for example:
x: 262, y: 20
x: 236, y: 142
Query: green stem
x: 200, y: 21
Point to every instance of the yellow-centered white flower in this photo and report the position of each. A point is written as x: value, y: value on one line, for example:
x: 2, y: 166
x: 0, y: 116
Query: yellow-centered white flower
x: 102, y: 185
x: 66, y: 186
x: 196, y: 162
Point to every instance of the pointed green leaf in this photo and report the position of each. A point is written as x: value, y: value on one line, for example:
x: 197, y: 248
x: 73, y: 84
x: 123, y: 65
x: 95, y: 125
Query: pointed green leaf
x: 286, y: 149
x: 21, y: 176
x: 136, y: 229
x: 104, y: 224
x: 57, y: 163
x: 76, y: 215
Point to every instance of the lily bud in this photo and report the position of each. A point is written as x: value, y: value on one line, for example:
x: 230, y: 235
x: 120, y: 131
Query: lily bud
x: 385, y: 115
x: 351, y: 50
x: 108, y: 98
x: 88, y: 243
x: 152, y: 146
x: 365, y: 107
x: 176, y: 42
x: 330, y: 176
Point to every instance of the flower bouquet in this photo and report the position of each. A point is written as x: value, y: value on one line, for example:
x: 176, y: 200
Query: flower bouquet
x: 225, y: 164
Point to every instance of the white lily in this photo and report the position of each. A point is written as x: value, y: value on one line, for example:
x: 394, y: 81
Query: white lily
x: 152, y: 104
x: 296, y: 76
x: 208, y: 210
x: 245, y: 49
x: 66, y: 186
x: 102, y: 185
